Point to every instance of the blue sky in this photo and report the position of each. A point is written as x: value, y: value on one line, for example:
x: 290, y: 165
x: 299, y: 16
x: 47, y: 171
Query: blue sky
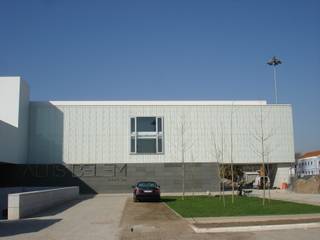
x: 144, y: 49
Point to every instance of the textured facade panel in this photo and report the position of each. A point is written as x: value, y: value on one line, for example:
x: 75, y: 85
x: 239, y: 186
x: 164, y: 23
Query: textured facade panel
x: 112, y: 178
x: 75, y: 134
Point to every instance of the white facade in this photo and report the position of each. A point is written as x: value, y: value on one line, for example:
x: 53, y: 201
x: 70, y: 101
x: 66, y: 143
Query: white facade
x: 99, y: 132
x: 14, y: 111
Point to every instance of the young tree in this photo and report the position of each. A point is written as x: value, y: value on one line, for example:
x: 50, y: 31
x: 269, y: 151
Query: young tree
x: 231, y: 151
x: 184, y: 148
x: 218, y: 153
x: 263, y: 149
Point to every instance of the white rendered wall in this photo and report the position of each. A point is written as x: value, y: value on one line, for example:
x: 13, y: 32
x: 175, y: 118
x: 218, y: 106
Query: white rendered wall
x: 14, y: 114
x: 9, y: 100
x: 308, y: 166
x: 282, y: 175
x: 73, y: 134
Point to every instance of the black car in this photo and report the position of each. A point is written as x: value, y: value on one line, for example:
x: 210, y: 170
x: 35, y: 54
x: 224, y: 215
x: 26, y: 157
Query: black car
x: 146, y: 191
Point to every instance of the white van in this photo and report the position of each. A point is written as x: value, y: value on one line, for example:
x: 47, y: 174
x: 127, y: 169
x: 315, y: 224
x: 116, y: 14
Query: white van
x: 258, y: 182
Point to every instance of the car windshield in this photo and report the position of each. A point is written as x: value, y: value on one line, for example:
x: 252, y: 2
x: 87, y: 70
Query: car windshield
x: 146, y: 185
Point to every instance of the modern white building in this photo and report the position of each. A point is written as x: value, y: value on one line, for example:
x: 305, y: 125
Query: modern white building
x: 309, y: 164
x: 105, y: 146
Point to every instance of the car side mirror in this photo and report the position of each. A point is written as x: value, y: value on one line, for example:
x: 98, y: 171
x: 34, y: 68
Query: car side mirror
x: 158, y: 186
x: 133, y: 186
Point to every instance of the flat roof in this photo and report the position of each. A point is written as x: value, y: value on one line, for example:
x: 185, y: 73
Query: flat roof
x: 155, y: 103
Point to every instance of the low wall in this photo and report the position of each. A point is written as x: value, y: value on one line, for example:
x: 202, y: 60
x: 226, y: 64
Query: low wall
x: 4, y: 192
x: 27, y: 203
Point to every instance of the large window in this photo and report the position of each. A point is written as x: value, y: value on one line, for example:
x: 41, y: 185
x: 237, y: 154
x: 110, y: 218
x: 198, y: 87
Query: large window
x: 146, y: 135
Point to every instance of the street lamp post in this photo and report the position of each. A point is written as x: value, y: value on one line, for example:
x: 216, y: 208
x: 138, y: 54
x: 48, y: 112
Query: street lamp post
x: 274, y: 62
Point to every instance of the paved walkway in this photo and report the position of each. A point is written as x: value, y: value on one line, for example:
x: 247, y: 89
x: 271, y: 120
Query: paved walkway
x: 87, y: 218
x: 290, y: 196
x: 243, y: 219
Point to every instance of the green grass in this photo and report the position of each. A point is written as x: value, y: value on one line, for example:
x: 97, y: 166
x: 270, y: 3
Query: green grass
x: 204, y: 206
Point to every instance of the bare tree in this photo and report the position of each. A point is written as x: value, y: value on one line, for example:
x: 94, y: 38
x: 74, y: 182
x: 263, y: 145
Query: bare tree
x: 218, y: 153
x: 231, y: 152
x: 182, y: 158
x: 192, y: 177
x: 263, y: 150
x: 184, y: 148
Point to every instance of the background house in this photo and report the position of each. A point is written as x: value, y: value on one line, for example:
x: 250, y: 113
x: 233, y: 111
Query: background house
x: 309, y: 164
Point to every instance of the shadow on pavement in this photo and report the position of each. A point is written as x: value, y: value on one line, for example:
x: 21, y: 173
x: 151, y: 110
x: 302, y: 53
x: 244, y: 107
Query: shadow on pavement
x: 62, y: 207
x: 9, y: 228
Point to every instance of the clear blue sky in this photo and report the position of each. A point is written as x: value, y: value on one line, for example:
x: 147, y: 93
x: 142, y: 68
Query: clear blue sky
x: 144, y: 49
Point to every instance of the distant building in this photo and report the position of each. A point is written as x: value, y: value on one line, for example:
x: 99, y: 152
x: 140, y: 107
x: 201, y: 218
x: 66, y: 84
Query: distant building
x: 309, y: 164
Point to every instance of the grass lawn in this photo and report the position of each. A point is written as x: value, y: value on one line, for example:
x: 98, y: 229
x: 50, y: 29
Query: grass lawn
x: 204, y: 206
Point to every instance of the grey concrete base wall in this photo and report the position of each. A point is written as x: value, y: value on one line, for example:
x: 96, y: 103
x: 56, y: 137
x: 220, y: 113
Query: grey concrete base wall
x: 120, y: 177
x: 4, y: 192
x: 114, y: 178
x: 27, y: 203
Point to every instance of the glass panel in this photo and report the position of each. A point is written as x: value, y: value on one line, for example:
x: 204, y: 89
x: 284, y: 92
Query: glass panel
x: 133, y: 124
x: 146, y: 124
x: 160, y: 145
x: 146, y: 145
x: 133, y: 145
x: 146, y: 185
x: 159, y: 125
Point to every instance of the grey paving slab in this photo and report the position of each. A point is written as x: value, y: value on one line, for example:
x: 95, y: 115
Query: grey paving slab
x: 287, y: 195
x: 253, y: 218
x: 87, y: 218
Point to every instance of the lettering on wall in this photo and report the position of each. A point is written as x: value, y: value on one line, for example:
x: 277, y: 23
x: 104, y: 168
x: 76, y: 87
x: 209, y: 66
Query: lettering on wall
x: 113, y: 172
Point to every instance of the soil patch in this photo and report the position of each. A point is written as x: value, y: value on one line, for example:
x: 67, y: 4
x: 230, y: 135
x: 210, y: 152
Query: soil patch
x: 149, y: 220
x: 307, y: 185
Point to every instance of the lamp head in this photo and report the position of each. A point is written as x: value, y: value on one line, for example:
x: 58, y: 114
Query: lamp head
x: 274, y: 61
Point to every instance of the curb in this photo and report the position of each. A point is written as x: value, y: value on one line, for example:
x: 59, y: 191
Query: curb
x: 256, y: 228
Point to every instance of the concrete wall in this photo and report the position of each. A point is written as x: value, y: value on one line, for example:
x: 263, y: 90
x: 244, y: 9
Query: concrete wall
x: 282, y: 175
x: 9, y: 100
x: 75, y: 133
x: 5, y: 191
x: 14, y: 116
x: 27, y: 203
x: 113, y: 178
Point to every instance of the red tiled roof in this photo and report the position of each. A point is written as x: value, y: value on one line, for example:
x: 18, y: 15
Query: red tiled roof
x: 311, y: 154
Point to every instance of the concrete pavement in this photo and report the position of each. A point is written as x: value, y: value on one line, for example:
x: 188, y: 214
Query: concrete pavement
x: 262, y: 218
x: 287, y: 195
x: 87, y: 218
